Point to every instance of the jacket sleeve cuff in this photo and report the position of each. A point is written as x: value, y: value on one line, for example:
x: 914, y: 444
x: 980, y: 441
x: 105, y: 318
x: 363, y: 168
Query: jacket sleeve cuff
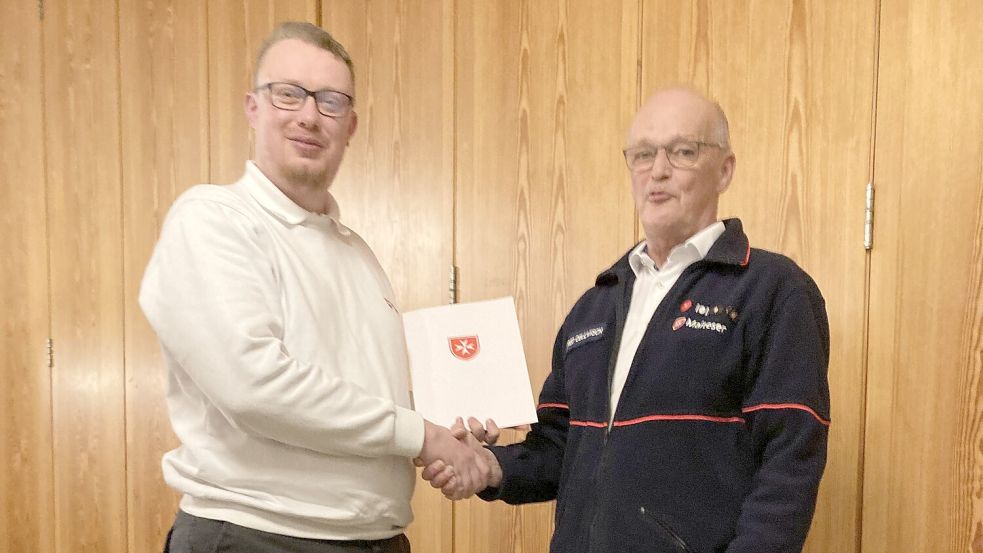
x: 408, y: 439
x: 490, y: 493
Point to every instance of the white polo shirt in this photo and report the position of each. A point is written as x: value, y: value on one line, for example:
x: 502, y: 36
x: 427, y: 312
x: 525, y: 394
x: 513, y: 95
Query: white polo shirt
x: 651, y: 286
x: 287, y: 369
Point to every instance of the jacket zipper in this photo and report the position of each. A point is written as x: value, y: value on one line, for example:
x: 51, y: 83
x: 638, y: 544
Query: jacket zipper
x: 620, y: 314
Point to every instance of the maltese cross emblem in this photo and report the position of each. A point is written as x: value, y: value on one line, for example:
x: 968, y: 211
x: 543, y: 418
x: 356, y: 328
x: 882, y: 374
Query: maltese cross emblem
x: 464, y: 347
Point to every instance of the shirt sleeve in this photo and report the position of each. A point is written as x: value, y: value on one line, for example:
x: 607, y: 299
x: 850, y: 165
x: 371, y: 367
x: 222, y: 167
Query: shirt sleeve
x: 787, y: 410
x: 212, y: 296
x: 531, y: 469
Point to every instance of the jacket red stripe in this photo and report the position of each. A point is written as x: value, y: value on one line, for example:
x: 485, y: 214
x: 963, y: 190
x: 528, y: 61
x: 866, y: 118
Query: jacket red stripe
x: 691, y: 417
x: 799, y: 406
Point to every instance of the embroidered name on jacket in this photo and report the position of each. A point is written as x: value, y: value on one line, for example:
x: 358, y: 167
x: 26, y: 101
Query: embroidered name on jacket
x: 584, y: 337
x: 698, y: 325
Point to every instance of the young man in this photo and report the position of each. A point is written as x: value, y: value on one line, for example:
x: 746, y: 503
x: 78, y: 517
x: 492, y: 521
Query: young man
x: 288, y: 383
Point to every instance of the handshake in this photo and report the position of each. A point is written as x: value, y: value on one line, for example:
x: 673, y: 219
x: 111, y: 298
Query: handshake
x: 454, y: 460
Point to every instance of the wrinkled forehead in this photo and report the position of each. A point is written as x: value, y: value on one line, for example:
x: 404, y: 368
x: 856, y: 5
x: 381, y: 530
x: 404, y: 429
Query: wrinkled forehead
x: 670, y: 116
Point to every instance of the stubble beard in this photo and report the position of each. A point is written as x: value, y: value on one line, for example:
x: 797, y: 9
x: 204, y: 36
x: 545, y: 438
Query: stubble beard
x: 308, y: 177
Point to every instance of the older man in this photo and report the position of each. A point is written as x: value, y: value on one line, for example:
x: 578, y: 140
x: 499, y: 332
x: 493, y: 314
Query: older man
x: 286, y: 365
x: 688, y: 406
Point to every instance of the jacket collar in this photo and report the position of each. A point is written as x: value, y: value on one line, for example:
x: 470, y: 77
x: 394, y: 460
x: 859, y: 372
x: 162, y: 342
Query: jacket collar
x: 732, y: 248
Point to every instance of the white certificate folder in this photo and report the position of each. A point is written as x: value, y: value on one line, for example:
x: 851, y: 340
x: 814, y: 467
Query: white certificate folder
x: 466, y: 360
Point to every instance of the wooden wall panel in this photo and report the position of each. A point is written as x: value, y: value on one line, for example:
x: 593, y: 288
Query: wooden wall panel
x: 25, y: 396
x: 395, y: 185
x: 164, y: 85
x: 923, y: 462
x: 796, y: 80
x: 490, y: 134
x: 544, y: 95
x: 81, y: 99
x: 236, y: 29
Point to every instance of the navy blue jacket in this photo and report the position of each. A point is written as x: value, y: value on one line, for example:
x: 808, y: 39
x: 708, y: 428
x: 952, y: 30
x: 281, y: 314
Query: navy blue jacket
x: 719, y: 439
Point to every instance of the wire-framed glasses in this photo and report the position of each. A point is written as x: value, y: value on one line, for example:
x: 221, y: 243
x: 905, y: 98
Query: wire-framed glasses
x: 292, y: 97
x: 682, y: 154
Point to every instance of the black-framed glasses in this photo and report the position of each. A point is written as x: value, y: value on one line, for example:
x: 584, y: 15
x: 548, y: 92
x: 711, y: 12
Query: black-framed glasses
x: 292, y: 97
x: 682, y: 154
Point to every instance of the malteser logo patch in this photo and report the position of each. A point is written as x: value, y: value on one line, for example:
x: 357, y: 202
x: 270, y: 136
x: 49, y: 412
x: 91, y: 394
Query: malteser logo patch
x: 716, y: 318
x: 584, y: 337
x: 706, y: 325
x: 680, y: 322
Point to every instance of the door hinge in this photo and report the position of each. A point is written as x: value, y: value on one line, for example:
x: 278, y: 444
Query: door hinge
x: 452, y: 286
x: 51, y: 353
x: 869, y: 217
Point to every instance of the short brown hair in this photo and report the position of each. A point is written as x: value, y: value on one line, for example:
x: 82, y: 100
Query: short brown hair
x: 306, y: 32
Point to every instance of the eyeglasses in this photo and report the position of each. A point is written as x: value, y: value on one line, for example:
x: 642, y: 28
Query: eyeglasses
x: 682, y: 154
x: 292, y: 97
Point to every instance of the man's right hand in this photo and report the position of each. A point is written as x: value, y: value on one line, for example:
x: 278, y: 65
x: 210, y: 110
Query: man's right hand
x: 463, y: 471
x: 442, y: 476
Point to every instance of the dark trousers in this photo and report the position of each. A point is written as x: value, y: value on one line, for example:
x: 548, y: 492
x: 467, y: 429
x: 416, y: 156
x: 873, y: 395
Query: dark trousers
x: 191, y: 534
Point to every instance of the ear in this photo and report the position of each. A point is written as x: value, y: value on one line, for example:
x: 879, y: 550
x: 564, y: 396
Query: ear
x: 251, y: 107
x: 726, y: 172
x: 353, y: 124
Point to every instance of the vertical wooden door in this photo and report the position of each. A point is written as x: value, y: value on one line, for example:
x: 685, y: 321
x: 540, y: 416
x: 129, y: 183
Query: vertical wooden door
x: 25, y: 395
x: 796, y: 80
x: 236, y: 28
x: 82, y: 161
x: 164, y: 149
x: 545, y: 91
x: 184, y: 69
x: 923, y: 462
x: 395, y: 184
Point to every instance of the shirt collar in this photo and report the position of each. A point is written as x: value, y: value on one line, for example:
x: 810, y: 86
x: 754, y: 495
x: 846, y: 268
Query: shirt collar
x: 277, y: 203
x: 700, y: 243
x: 639, y: 258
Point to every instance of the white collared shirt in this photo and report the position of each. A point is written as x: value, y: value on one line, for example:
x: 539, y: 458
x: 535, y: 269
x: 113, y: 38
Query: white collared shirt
x: 651, y: 286
x: 287, y: 372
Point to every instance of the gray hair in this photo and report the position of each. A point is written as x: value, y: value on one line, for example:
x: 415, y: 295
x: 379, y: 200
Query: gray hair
x: 721, y: 128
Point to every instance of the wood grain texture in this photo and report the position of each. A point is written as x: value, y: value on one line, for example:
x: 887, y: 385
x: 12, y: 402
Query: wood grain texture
x: 236, y: 29
x: 490, y: 135
x: 923, y: 461
x: 545, y: 92
x: 82, y: 150
x: 796, y: 80
x: 395, y: 186
x: 25, y: 397
x: 164, y: 101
